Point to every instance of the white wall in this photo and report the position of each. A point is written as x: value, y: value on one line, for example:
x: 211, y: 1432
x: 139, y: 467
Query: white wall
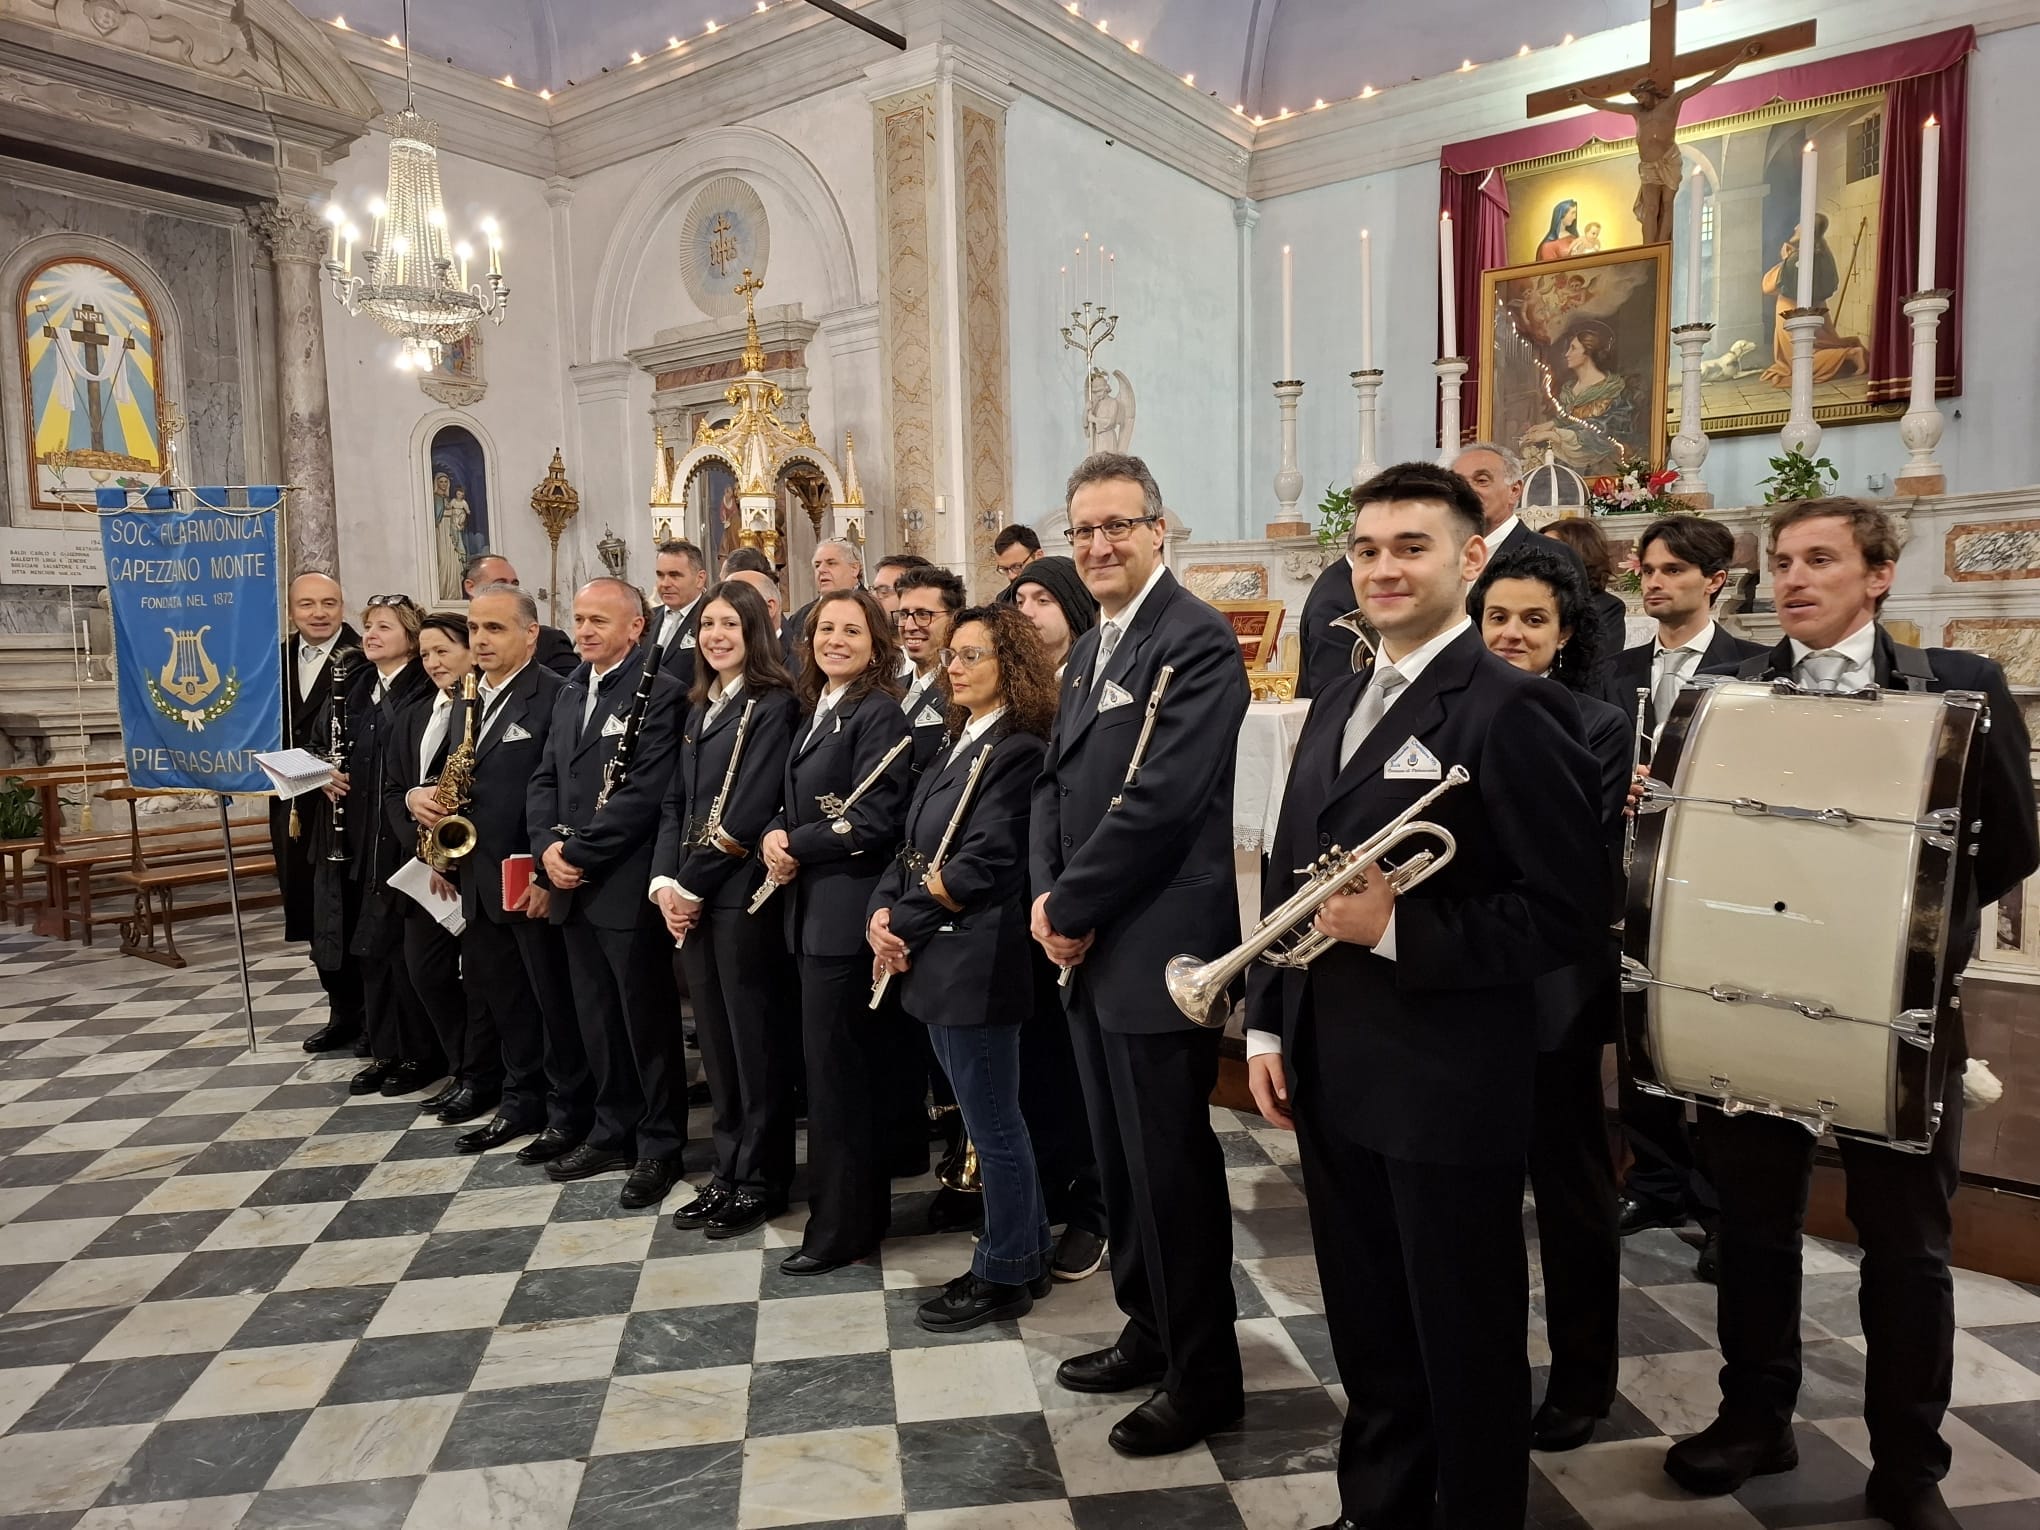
x: 1177, y: 299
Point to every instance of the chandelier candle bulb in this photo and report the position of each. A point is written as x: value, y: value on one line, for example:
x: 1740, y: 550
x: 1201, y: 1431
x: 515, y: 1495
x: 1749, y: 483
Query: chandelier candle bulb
x: 1809, y: 172
x: 1693, y: 248
x: 1366, y: 301
x: 1448, y: 320
x: 1288, y: 319
x: 466, y: 253
x: 1930, y: 202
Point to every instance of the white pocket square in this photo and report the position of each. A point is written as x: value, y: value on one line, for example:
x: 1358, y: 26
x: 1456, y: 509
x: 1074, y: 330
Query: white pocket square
x: 1412, y: 762
x: 687, y: 640
x: 930, y: 717
x: 612, y: 725
x: 514, y: 732
x: 1114, y: 695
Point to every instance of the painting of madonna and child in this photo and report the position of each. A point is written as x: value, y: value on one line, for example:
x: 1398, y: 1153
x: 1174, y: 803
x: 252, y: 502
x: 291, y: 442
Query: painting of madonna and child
x: 1742, y: 182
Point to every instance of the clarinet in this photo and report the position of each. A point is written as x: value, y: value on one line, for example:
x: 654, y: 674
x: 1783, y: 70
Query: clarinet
x: 338, y: 746
x: 617, y: 771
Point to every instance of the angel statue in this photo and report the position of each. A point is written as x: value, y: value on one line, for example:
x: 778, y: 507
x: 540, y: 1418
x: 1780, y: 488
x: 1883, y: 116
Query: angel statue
x: 1108, y: 416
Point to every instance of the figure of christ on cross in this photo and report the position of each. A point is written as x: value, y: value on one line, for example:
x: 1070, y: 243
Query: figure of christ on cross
x: 1655, y: 101
x: 90, y: 336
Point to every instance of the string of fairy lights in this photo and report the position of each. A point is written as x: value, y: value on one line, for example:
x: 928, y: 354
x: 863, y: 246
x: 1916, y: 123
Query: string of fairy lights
x: 1075, y: 14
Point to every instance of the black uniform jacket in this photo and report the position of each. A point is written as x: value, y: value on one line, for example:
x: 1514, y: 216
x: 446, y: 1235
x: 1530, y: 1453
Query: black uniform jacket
x: 302, y: 717
x: 825, y: 913
x: 1326, y: 651
x: 1154, y: 877
x: 726, y: 881
x: 1580, y: 1005
x: 926, y: 709
x: 677, y: 657
x: 1630, y: 672
x: 556, y: 651
x: 612, y: 848
x: 1445, y: 1035
x: 971, y: 965
x: 374, y: 850
x: 2008, y: 848
x: 505, y: 759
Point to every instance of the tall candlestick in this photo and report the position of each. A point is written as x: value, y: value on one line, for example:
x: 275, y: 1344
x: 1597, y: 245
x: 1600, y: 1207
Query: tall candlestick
x: 1448, y: 318
x: 1366, y: 302
x: 1930, y: 202
x: 1288, y: 320
x: 1693, y: 248
x: 1809, y: 243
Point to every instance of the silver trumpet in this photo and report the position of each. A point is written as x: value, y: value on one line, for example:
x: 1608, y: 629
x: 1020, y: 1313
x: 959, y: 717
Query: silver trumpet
x: 1199, y: 988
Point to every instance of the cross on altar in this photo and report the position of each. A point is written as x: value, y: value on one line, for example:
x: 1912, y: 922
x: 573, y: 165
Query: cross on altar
x: 90, y: 336
x: 1656, y: 99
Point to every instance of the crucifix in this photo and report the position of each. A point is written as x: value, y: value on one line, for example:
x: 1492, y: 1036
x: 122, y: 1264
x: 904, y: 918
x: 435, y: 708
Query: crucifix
x: 90, y: 335
x: 1655, y: 100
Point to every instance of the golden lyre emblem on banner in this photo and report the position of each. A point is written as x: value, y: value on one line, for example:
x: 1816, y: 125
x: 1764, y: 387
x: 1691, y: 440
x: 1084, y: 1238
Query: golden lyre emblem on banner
x: 189, y: 676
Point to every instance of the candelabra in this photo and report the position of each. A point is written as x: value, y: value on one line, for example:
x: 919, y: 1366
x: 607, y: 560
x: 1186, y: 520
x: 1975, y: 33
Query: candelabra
x: 1090, y: 326
x: 1689, y: 446
x: 1451, y: 372
x: 1367, y: 383
x: 1802, y: 431
x: 1920, y: 430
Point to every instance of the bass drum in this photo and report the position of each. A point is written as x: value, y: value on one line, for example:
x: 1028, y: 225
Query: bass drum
x: 1789, y: 903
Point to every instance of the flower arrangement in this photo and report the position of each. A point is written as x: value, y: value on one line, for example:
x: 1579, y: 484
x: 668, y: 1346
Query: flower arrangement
x: 1634, y: 489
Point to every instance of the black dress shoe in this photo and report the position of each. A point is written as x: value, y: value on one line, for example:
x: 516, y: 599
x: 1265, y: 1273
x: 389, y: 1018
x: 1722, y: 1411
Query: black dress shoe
x: 584, y: 1162
x: 1341, y: 1523
x: 488, y: 1138
x: 333, y: 1036
x: 1105, y: 1370
x: 547, y: 1145
x: 1708, y: 1266
x: 1727, y: 1453
x: 697, y: 1094
x: 807, y: 1264
x: 1909, y: 1509
x: 695, y: 1214
x: 740, y: 1211
x: 954, y: 1210
x: 467, y: 1105
x: 1636, y: 1215
x: 650, y: 1179
x: 1161, y: 1427
x: 441, y: 1095
x: 1554, y: 1429
x: 968, y: 1302
x: 407, y: 1078
x: 370, y: 1079
x: 361, y: 1046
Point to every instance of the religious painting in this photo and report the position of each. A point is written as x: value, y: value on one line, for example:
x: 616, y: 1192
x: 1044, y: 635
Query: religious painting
x: 460, y: 507
x: 713, y: 503
x: 457, y: 379
x: 90, y: 347
x: 1742, y: 181
x: 1575, y: 362
x: 724, y: 234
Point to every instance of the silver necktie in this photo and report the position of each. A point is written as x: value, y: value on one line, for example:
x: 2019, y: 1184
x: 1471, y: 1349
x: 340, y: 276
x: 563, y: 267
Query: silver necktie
x: 1375, y: 700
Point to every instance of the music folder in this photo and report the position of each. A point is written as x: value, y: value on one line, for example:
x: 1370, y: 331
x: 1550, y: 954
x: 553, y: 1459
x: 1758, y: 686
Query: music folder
x: 516, y: 878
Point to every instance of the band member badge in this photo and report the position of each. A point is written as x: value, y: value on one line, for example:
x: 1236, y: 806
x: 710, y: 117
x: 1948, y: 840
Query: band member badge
x: 612, y: 725
x: 687, y: 640
x: 1412, y: 762
x: 1114, y: 695
x: 515, y: 733
x: 930, y: 717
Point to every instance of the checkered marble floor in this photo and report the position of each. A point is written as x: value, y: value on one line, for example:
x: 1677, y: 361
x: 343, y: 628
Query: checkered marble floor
x: 231, y: 1297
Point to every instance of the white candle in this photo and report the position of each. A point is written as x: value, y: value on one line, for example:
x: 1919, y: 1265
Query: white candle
x: 1448, y: 319
x: 1063, y: 287
x: 1693, y: 248
x: 1809, y: 243
x: 1111, y: 277
x: 1366, y: 301
x: 1930, y: 202
x: 1288, y: 320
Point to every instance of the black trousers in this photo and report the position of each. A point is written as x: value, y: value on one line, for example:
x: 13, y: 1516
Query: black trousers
x: 630, y: 1026
x: 459, y: 1016
x: 744, y: 1014
x: 1052, y: 1104
x: 399, y: 1030
x: 1900, y: 1205
x: 907, y: 1070
x: 1166, y: 1200
x: 1427, y: 1293
x: 1573, y: 1179
x: 849, y: 1191
x: 517, y: 972
x: 1668, y: 1167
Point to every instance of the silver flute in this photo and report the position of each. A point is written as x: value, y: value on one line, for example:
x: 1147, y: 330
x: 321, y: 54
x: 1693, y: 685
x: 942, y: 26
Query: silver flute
x: 941, y: 854
x: 838, y: 809
x: 1140, y: 749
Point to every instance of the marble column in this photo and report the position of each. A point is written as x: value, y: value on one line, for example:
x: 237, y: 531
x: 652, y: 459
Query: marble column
x: 296, y: 240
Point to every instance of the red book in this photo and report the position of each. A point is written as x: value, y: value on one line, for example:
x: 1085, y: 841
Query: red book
x: 516, y: 879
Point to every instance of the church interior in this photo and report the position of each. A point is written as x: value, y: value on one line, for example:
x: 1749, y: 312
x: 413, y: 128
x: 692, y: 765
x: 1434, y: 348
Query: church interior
x: 771, y: 273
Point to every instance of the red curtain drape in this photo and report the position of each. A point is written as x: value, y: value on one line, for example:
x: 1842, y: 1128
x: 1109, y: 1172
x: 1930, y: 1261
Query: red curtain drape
x: 1479, y: 204
x: 1943, y: 95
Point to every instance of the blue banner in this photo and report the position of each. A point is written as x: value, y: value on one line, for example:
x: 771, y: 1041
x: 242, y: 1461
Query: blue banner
x: 194, y: 579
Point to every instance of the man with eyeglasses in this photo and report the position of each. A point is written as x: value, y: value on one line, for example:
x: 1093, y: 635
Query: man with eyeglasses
x: 1013, y: 549
x: 838, y: 565
x: 885, y: 580
x: 1128, y: 870
x: 555, y: 650
x: 929, y: 598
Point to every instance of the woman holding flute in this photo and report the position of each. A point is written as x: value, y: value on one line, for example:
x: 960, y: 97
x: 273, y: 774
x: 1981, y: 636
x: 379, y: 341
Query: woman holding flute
x: 949, y: 924
x: 705, y: 871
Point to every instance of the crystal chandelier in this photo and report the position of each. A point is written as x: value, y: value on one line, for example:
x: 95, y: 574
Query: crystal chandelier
x: 415, y: 278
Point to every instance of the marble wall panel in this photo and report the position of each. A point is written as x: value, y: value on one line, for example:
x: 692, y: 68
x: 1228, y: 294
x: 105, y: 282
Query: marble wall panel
x: 2014, y: 641
x: 906, y: 142
x: 1994, y: 550
x: 988, y: 420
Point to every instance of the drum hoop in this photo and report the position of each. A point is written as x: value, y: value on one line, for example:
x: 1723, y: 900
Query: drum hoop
x: 1639, y: 912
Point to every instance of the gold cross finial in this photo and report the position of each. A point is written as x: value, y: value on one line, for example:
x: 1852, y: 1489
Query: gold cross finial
x: 754, y: 353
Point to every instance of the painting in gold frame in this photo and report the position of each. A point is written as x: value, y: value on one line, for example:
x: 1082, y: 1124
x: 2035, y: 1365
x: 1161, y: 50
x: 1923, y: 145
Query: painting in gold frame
x: 1576, y: 356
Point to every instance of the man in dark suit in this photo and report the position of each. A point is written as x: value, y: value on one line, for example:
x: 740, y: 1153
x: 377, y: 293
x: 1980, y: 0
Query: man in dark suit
x: 1832, y: 564
x: 597, y: 861
x: 320, y: 635
x: 1496, y: 474
x: 1425, y: 999
x: 554, y: 649
x: 1325, y: 652
x: 929, y: 599
x: 1126, y: 874
x: 681, y: 575
x: 1684, y: 562
x: 513, y: 959
x: 838, y: 565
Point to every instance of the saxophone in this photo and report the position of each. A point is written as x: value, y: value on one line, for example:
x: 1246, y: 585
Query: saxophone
x: 453, y: 837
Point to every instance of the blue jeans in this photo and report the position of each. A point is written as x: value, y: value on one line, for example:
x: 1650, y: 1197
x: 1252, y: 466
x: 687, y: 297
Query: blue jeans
x: 983, y: 1064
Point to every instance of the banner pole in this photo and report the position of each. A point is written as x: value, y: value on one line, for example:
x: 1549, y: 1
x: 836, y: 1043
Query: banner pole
x: 240, y: 935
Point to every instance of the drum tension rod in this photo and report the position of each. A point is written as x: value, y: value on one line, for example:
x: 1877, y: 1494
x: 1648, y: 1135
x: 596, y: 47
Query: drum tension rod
x: 1915, y: 1026
x: 1938, y: 827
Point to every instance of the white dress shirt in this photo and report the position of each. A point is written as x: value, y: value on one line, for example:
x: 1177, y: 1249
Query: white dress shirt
x: 1410, y: 666
x: 1113, y: 629
x: 386, y: 679
x: 1858, y: 650
x: 669, y: 624
x: 918, y: 686
x: 1672, y: 669
x: 435, y: 732
x: 595, y: 679
x: 488, y: 696
x: 972, y: 732
x: 1502, y: 532
x: 825, y: 706
x: 310, y: 656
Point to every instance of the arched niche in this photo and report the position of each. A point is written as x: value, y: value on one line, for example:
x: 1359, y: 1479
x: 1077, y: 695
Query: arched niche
x: 454, y: 444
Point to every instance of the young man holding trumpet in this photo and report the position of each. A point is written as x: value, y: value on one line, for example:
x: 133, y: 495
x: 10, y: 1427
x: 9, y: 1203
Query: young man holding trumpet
x: 1403, y: 1054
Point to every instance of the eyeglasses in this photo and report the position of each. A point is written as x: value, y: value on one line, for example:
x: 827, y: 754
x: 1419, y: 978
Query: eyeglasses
x: 1115, y: 530
x: 969, y: 658
x: 904, y: 616
x: 392, y: 600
